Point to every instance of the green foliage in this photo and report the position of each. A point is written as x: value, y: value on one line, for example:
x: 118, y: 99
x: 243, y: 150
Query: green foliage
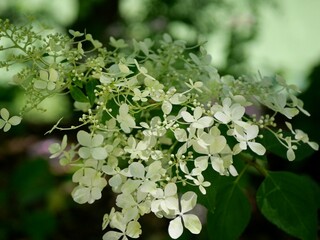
x: 157, y: 118
x: 232, y: 213
x: 289, y: 201
x: 78, y: 95
x: 24, y: 207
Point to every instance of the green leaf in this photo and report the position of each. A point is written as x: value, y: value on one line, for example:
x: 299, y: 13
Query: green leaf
x: 195, y: 58
x: 144, y: 48
x: 32, y: 181
x: 78, y: 95
x: 231, y: 215
x: 90, y: 87
x: 289, y: 201
x: 40, y: 217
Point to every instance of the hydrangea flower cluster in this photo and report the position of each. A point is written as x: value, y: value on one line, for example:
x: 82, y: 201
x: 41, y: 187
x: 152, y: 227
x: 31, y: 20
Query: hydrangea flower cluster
x: 156, y: 117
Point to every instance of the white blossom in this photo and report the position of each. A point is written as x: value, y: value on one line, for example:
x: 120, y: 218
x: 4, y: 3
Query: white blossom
x: 190, y: 221
x: 126, y: 121
x: 246, y: 137
x: 91, y: 146
x: 196, y: 120
x: 229, y: 112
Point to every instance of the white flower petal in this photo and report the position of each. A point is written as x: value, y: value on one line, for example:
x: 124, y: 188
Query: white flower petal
x: 237, y: 112
x: 4, y: 113
x: 99, y: 153
x: 226, y: 102
x: 205, y: 121
x: 197, y: 113
x: 217, y: 165
x: 252, y: 131
x: 188, y: 201
x: 6, y: 127
x: 243, y: 145
x: 15, y: 120
x: 233, y: 170
x: 201, y: 162
x: 290, y: 154
x: 218, y: 144
x: 257, y: 148
x: 95, y: 194
x: 2, y: 123
x: 222, y: 117
x: 97, y: 140
x: 112, y: 235
x: 187, y: 116
x: 178, y: 98
x: 137, y: 170
x: 133, y: 229
x: 44, y: 75
x: 314, y: 145
x: 181, y: 135
x: 115, y: 181
x: 170, y: 189
x: 124, y: 108
x: 51, y: 86
x: 130, y: 214
x: 81, y: 195
x: 166, y: 107
x: 153, y: 169
x: 125, y: 200
x: 130, y: 185
x: 84, y: 152
x: 148, y: 186
x: 175, y: 228
x: 84, y: 138
x: 192, y: 223
x: 40, y: 84
x: 172, y: 203
x: 53, y: 75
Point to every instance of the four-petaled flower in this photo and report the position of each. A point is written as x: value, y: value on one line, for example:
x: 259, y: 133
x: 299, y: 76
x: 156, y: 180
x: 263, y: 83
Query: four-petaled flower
x: 161, y: 203
x: 215, y: 143
x: 190, y: 221
x: 196, y: 120
x: 90, y: 185
x: 127, y: 226
x: 140, y: 96
x: 126, y: 121
x: 47, y: 79
x: 246, y: 135
x: 6, y: 122
x: 229, y: 112
x: 91, y: 146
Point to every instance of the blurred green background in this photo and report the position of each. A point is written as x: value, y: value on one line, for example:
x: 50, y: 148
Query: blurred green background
x: 243, y: 37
